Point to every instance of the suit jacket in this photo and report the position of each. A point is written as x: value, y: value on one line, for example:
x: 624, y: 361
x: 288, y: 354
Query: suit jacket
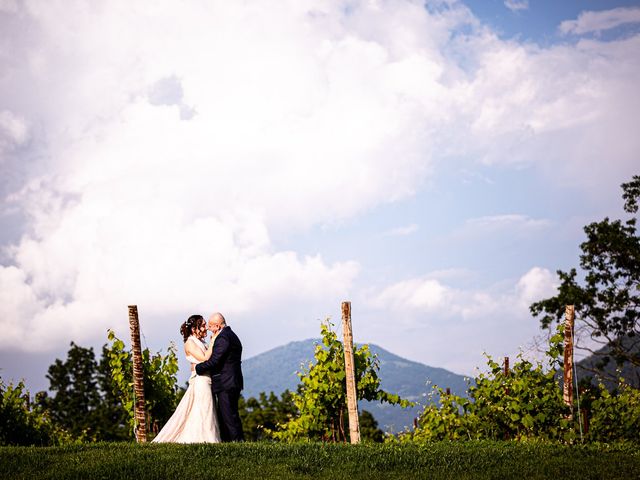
x: 224, y: 364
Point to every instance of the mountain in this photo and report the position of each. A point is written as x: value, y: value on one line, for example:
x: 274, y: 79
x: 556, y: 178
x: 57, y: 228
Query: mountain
x: 275, y: 371
x: 589, y: 366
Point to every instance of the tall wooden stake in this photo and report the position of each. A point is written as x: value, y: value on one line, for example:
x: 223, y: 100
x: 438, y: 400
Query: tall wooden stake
x: 352, y: 399
x: 506, y: 373
x: 138, y: 376
x: 506, y: 389
x: 567, y: 393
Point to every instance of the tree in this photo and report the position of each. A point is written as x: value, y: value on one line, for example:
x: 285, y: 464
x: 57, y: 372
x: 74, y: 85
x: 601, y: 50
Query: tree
x: 607, y: 299
x: 369, y: 431
x: 82, y: 400
x: 321, y: 399
x: 263, y: 414
x: 76, y: 397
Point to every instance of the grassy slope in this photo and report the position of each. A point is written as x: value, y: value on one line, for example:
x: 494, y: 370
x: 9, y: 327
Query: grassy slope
x: 477, y: 460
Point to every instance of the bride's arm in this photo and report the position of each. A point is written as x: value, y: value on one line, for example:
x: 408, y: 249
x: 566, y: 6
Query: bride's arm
x: 191, y: 349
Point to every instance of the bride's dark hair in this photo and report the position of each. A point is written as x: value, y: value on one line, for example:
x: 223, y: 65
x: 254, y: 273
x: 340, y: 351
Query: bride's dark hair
x: 194, y: 321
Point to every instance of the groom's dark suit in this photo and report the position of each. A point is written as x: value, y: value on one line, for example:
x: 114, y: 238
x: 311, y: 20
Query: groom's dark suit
x: 226, y: 382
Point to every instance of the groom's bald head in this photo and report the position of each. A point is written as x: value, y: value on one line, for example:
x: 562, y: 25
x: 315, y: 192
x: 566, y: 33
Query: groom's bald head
x: 216, y: 322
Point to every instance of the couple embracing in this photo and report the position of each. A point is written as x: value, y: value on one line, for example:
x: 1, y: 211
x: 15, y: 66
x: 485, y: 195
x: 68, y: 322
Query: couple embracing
x: 208, y: 411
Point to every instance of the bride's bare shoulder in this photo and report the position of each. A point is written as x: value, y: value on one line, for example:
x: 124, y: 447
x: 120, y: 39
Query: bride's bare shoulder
x: 189, y: 344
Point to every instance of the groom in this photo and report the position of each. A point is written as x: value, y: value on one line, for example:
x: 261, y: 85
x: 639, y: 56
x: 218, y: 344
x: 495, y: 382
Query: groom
x: 226, y: 377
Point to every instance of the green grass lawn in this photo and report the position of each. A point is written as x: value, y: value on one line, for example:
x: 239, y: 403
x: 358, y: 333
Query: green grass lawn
x: 468, y: 460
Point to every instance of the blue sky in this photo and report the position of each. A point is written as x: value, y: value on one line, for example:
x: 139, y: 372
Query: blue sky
x: 538, y: 21
x: 432, y: 164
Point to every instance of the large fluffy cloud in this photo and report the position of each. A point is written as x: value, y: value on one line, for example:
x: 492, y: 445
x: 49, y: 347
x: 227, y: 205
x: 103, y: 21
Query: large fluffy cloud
x: 166, y: 143
x: 447, y: 318
x: 431, y: 296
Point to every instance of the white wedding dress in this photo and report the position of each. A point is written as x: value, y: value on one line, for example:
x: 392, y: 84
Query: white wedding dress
x: 195, y: 419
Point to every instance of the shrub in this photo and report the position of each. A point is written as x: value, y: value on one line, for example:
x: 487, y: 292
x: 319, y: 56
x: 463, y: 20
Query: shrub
x: 22, y: 422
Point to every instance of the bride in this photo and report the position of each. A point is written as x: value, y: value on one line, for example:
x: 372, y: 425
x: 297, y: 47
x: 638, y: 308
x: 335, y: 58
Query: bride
x: 195, y: 419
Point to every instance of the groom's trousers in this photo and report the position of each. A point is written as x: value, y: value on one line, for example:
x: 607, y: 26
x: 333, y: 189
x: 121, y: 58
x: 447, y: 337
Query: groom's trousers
x: 230, y: 424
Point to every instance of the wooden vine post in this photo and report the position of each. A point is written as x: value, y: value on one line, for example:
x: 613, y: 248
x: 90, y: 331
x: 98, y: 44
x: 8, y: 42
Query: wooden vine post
x: 352, y: 399
x: 506, y: 374
x: 506, y: 389
x: 138, y: 376
x: 567, y: 392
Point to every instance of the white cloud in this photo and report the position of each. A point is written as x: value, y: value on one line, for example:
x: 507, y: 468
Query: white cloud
x: 552, y: 108
x: 589, y: 22
x: 13, y: 132
x: 402, y: 231
x: 170, y: 142
x: 301, y: 122
x: 89, y: 259
x: 469, y: 177
x: 18, y: 303
x: 507, y: 221
x: 8, y: 6
x: 517, y: 5
x: 536, y: 284
x: 455, y: 325
x: 428, y: 294
x: 420, y: 294
x: 505, y: 226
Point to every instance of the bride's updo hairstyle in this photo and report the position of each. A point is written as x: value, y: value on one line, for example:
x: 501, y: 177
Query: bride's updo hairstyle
x: 194, y: 321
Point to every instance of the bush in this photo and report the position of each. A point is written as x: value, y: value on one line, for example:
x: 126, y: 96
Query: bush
x: 524, y: 403
x: 23, y: 423
x: 615, y: 416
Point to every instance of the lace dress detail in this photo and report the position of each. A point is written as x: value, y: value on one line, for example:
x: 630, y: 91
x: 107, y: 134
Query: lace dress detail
x: 195, y: 419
